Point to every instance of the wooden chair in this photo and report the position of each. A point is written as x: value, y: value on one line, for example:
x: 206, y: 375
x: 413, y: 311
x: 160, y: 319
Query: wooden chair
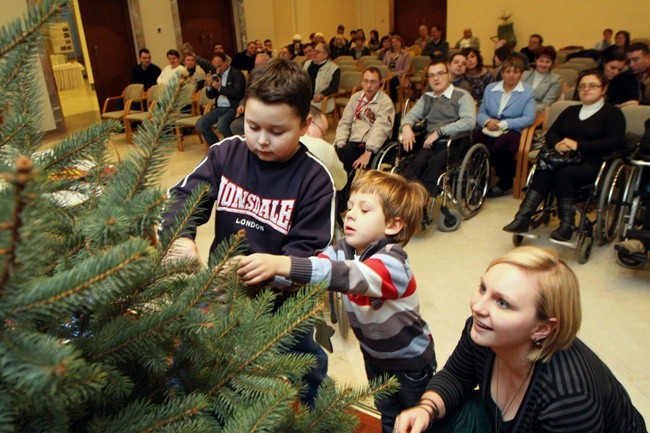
x: 153, y: 95
x: 419, y: 66
x: 569, y: 79
x: 201, y: 105
x: 587, y: 62
x: 366, y: 61
x: 131, y: 93
x: 349, y: 84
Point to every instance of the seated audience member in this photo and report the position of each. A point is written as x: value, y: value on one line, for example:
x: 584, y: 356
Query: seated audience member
x: 621, y: 41
x: 477, y: 75
x: 468, y: 40
x: 638, y: 55
x: 314, y: 139
x: 449, y: 112
x: 196, y: 74
x: 259, y: 46
x: 284, y: 54
x: 295, y: 47
x: 457, y: 69
x: 508, y: 106
x: 437, y: 48
x: 622, y: 88
x: 373, y: 42
x: 503, y: 50
x: 519, y: 365
x: 423, y: 38
x: 398, y: 61
x: 340, y: 30
x: 228, y: 88
x: 534, y: 43
x: 325, y: 77
x: 358, y: 50
x: 319, y: 38
x: 364, y: 127
x: 308, y: 51
x: 145, y: 73
x: 269, y: 50
x: 384, y: 48
x: 606, y: 41
x: 217, y: 47
x: 237, y: 125
x: 204, y: 63
x: 595, y: 129
x: 245, y: 60
x: 340, y: 47
x: 546, y: 83
x: 174, y: 66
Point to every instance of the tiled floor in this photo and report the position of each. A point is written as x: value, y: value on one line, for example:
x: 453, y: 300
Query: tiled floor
x: 615, y: 300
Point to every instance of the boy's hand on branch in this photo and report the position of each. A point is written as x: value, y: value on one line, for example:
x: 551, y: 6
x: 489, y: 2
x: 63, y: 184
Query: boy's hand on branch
x: 257, y: 268
x: 183, y: 248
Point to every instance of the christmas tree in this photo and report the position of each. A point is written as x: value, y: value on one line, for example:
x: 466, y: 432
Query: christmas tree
x: 101, y: 333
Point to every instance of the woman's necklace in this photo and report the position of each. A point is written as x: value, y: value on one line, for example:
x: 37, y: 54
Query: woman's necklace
x: 497, y: 424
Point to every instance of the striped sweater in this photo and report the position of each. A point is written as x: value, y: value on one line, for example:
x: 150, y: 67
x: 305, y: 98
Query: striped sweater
x: 381, y: 301
x: 574, y: 392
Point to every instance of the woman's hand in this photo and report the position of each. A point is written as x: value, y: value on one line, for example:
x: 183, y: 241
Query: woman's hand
x: 566, y: 145
x: 257, y: 268
x: 492, y: 125
x: 413, y: 420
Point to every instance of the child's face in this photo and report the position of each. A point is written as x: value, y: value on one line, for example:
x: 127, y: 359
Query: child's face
x: 272, y: 130
x: 365, y: 221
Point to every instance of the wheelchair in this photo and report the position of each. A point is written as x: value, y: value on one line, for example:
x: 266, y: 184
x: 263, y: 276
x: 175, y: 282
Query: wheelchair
x: 599, y: 208
x: 632, y: 212
x: 464, y: 182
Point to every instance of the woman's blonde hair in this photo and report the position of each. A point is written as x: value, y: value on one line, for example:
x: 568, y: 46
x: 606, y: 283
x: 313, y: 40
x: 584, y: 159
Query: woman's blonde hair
x: 400, y: 198
x: 558, y: 297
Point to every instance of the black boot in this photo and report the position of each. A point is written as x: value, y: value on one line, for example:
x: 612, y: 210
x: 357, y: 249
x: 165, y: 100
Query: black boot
x: 567, y: 213
x: 527, y: 208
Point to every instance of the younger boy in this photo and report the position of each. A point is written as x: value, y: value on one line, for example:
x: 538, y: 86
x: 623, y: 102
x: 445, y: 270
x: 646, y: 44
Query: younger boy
x: 267, y: 183
x: 370, y: 265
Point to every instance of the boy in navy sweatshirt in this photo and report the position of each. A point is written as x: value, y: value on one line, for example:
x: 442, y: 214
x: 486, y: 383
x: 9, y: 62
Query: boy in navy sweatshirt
x: 268, y: 184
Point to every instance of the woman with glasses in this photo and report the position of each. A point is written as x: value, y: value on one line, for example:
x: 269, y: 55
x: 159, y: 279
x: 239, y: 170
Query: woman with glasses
x: 595, y: 129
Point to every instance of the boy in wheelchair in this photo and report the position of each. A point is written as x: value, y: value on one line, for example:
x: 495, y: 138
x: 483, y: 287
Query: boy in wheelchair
x: 446, y: 111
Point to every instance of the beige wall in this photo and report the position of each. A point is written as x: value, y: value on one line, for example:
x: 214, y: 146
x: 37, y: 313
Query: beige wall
x: 560, y: 22
x: 157, y: 14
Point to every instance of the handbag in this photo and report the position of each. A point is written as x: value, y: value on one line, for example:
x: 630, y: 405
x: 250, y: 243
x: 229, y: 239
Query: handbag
x: 551, y: 159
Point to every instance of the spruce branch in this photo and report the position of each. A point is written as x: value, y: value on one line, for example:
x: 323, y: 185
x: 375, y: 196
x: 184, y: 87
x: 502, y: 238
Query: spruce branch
x: 19, y: 33
x: 19, y: 181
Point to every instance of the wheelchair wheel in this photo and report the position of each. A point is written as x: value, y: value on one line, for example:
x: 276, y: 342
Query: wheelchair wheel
x: 542, y: 215
x: 630, y: 207
x: 628, y: 261
x: 341, y: 316
x: 610, y: 201
x: 584, y: 248
x: 386, y: 158
x: 449, y: 223
x: 473, y: 180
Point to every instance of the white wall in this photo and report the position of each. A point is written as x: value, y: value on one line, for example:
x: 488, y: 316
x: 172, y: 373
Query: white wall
x: 16, y: 9
x: 158, y: 29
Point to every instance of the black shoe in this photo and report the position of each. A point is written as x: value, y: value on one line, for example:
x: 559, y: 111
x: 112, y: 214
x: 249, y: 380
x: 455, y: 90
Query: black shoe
x: 518, y: 225
x: 495, y: 191
x: 562, y: 233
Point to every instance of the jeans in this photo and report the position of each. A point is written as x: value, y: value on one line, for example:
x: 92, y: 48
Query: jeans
x: 412, y: 386
x: 222, y: 116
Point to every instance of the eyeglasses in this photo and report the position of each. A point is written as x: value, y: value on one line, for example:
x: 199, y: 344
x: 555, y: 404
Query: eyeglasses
x: 590, y: 86
x: 321, y: 129
x: 437, y: 74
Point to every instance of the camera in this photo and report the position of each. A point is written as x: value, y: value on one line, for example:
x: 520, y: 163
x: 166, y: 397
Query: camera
x: 216, y: 76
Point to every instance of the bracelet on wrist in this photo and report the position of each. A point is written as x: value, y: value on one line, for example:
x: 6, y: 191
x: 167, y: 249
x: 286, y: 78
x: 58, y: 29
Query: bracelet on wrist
x: 434, y: 406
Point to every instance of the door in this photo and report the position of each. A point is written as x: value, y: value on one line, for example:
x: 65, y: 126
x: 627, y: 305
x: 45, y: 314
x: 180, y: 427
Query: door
x: 411, y: 14
x: 111, y: 49
x: 205, y: 22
